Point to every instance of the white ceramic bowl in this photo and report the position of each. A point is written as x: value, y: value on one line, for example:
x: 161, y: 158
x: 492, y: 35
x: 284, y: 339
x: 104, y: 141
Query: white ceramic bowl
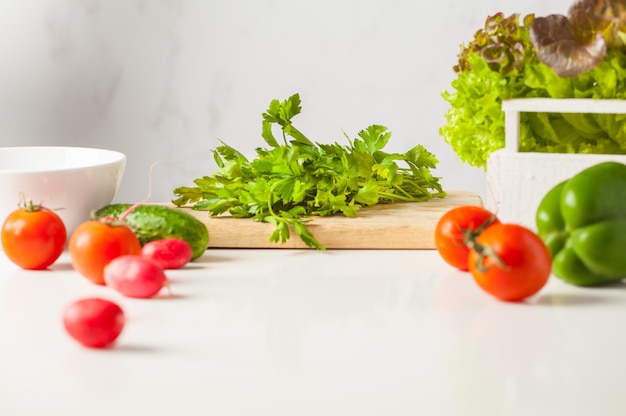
x: 72, y: 181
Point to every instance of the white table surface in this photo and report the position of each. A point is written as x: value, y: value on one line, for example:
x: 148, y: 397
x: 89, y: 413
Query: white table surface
x: 301, y: 332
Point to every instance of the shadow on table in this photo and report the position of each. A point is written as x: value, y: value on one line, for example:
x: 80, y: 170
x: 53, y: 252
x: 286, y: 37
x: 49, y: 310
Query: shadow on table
x: 576, y: 299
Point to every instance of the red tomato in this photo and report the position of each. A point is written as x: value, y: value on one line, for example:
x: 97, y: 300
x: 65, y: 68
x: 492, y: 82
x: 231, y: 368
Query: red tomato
x: 94, y: 322
x: 455, y: 227
x: 169, y: 253
x: 33, y: 237
x: 134, y: 276
x: 95, y: 243
x: 510, y: 262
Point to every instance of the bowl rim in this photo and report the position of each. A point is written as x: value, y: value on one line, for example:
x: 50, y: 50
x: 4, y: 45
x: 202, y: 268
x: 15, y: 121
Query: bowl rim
x: 117, y: 157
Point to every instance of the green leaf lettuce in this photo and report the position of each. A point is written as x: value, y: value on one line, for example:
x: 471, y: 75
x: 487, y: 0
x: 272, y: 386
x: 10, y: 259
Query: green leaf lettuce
x: 474, y: 122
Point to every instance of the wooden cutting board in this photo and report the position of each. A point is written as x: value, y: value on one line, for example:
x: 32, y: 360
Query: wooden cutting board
x: 385, y: 226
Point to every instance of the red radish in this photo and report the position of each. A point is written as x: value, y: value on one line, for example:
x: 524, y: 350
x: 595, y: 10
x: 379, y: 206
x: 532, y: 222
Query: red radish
x: 134, y: 276
x: 93, y: 322
x: 169, y: 253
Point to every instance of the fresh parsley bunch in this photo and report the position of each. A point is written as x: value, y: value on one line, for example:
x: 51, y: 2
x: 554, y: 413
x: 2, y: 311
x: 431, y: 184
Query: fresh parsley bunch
x: 298, y: 178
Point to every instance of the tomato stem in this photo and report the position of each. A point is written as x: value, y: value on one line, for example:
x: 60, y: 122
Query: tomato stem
x: 469, y: 235
x: 470, y: 240
x: 488, y: 252
x: 28, y: 205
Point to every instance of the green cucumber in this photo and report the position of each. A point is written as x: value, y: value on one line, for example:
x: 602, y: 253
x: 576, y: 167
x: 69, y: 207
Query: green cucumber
x: 154, y: 222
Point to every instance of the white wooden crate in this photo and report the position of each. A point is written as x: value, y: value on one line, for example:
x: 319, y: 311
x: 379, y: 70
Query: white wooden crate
x: 517, y: 181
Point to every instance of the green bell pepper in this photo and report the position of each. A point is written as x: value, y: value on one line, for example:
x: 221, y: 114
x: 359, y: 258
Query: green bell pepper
x: 583, y: 222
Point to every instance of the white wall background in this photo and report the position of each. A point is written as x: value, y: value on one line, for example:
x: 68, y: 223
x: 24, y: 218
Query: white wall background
x: 164, y: 79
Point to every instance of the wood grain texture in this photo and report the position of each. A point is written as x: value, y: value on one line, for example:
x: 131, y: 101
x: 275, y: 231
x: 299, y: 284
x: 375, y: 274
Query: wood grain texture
x: 385, y: 226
